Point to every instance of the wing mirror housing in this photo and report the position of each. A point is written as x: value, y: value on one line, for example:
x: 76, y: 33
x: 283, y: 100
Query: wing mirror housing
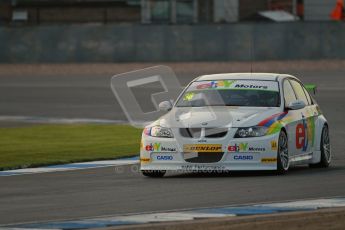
x: 295, y: 105
x: 165, y: 106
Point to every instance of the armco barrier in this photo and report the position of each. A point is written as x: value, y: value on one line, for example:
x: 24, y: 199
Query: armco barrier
x: 123, y: 43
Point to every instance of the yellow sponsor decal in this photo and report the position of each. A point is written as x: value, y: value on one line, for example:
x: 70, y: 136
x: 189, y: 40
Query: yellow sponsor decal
x: 269, y: 160
x: 274, y: 145
x: 215, y: 148
x: 145, y: 160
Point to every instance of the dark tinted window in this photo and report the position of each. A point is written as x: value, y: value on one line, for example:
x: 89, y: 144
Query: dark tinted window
x: 231, y: 93
x: 299, y: 91
x: 256, y: 98
x: 289, y: 95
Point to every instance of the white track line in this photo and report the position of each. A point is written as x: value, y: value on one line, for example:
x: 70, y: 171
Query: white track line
x: 49, y: 120
x: 70, y: 167
x: 312, y: 204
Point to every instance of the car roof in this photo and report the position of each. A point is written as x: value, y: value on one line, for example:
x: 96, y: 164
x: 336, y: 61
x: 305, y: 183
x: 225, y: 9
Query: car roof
x: 244, y: 76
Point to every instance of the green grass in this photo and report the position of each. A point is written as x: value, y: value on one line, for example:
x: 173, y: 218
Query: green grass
x: 31, y: 146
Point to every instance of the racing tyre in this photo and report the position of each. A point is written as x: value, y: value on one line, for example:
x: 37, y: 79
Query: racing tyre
x: 282, y: 154
x: 153, y: 173
x: 325, y: 147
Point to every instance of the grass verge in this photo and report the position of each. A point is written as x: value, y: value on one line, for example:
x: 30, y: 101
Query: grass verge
x: 31, y: 146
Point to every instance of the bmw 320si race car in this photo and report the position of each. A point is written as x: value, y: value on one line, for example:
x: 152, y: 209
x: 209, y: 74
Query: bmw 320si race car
x: 226, y: 122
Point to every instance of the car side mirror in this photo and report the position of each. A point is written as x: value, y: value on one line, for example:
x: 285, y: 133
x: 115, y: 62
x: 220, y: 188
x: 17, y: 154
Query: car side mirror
x: 295, y: 105
x: 165, y: 106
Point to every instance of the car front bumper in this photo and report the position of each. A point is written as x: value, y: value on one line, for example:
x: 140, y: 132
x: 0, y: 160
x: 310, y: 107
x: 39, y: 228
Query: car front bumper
x: 259, y: 153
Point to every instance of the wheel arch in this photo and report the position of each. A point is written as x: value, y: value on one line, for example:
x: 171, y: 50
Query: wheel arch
x: 281, y: 169
x: 319, y: 124
x: 283, y: 129
x: 319, y: 159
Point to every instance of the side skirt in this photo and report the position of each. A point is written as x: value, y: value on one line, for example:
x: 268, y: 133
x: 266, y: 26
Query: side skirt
x: 304, y: 158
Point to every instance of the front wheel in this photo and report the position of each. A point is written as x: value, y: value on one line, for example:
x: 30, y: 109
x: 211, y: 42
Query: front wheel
x: 325, y: 147
x: 153, y: 173
x: 283, y: 162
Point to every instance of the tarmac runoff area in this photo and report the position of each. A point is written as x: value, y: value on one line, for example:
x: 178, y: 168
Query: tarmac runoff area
x: 299, y: 220
x: 60, y: 92
x: 308, y: 214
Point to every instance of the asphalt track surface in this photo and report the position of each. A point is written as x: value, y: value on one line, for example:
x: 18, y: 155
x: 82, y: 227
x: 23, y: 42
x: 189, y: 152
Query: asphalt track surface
x: 113, y: 191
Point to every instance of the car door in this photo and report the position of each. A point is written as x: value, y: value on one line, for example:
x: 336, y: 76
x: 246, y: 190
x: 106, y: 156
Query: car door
x: 313, y: 113
x: 305, y: 128
x: 294, y: 117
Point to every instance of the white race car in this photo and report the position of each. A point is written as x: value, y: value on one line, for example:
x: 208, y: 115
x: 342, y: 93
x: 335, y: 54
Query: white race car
x: 238, y: 121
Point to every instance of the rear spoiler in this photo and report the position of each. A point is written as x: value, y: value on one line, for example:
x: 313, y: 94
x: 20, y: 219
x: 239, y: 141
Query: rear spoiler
x: 311, y: 88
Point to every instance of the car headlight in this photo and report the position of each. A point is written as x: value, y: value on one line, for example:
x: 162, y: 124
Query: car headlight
x: 159, y: 131
x: 255, y: 131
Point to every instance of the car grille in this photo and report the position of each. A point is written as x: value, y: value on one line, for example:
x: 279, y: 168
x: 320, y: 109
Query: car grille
x: 209, y: 132
x: 215, y: 132
x: 205, y: 157
x: 190, y: 132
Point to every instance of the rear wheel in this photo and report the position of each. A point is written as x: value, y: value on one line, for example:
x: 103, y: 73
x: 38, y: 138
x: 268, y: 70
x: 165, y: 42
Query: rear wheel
x: 283, y: 162
x: 153, y: 173
x: 325, y: 148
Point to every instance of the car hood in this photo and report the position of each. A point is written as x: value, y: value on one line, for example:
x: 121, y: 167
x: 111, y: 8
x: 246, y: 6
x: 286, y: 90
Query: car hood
x: 215, y: 116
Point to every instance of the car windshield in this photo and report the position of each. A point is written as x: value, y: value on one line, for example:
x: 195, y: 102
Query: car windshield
x: 253, y: 93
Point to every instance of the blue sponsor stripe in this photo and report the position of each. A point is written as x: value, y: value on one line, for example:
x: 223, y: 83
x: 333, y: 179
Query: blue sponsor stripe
x: 281, y: 116
x: 274, y: 119
x: 269, y: 123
